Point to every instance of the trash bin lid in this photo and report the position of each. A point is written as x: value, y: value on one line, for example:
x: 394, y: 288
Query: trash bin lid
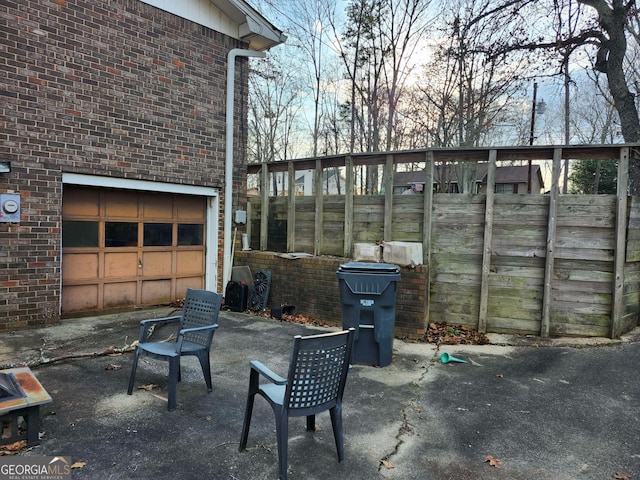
x: 363, y: 267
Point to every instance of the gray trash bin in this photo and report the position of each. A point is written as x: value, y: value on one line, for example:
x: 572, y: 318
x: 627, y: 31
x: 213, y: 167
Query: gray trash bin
x: 368, y: 297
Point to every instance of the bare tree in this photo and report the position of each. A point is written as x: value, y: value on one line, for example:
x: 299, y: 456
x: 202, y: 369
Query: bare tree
x: 594, y: 115
x: 362, y: 58
x: 471, y: 84
x: 272, y: 113
x: 614, y: 16
x: 363, y: 52
x: 606, y: 31
x: 307, y: 20
x: 404, y: 31
x: 379, y: 41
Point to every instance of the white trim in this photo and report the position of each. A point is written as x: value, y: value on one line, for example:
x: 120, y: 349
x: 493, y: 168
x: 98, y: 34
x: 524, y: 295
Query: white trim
x: 202, y: 12
x: 128, y: 184
x: 235, y: 18
x: 212, y: 213
x: 211, y: 253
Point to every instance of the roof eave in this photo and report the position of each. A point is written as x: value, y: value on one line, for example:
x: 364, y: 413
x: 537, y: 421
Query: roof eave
x: 258, y: 37
x: 253, y: 28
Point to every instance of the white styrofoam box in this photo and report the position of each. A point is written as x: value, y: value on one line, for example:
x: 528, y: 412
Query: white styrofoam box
x: 366, y: 252
x: 405, y: 254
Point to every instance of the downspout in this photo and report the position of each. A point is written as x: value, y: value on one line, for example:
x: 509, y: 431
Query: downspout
x: 228, y: 173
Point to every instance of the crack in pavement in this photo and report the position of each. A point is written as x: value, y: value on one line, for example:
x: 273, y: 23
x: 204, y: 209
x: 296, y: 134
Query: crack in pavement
x: 406, y: 427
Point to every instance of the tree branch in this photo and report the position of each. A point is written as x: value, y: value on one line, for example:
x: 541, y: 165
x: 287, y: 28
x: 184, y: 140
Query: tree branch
x: 42, y: 360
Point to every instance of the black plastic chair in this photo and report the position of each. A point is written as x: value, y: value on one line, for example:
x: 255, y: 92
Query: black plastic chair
x: 317, y: 377
x: 198, y: 323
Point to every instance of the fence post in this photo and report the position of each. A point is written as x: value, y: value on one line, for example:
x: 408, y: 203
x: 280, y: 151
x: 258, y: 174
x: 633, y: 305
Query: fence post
x: 617, y: 311
x: 426, y: 226
x: 388, y: 198
x: 264, y: 206
x: 487, y: 245
x: 291, y: 208
x: 549, y: 262
x: 319, y: 220
x: 348, y: 206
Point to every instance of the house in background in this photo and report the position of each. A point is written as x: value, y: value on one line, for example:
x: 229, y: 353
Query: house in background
x: 509, y: 179
x: 115, y: 134
x: 332, y: 183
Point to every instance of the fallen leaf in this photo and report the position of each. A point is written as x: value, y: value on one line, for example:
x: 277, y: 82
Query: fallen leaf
x: 78, y: 464
x: 13, y: 448
x: 148, y: 387
x: 444, y: 334
x: 493, y: 461
x: 621, y: 476
x: 387, y: 464
x: 111, y: 366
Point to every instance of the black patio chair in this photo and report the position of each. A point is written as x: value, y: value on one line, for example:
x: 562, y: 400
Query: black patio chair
x: 315, y: 383
x: 198, y: 323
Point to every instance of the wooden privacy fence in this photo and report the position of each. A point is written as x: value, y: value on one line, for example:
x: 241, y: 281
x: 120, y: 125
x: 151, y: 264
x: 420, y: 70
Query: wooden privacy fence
x: 547, y: 264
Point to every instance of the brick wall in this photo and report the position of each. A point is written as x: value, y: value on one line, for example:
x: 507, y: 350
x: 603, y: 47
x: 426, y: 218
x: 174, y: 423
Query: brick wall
x: 117, y: 89
x: 311, y: 284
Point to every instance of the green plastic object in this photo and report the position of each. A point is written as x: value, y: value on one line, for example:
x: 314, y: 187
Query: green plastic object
x: 446, y: 358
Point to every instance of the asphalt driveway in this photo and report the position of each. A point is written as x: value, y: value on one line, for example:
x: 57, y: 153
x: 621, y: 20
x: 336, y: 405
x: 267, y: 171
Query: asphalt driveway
x: 518, y: 409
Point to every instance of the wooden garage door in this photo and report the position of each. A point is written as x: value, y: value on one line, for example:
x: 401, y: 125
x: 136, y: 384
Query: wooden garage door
x: 124, y: 248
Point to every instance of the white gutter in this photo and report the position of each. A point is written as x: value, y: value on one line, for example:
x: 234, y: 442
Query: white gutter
x: 228, y: 173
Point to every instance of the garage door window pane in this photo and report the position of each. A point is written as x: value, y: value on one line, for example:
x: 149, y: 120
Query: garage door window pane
x: 120, y: 234
x: 157, y: 234
x: 79, y: 234
x: 189, y: 234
